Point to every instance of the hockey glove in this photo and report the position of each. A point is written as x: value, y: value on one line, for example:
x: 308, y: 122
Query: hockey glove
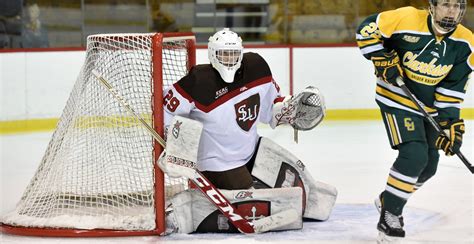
x: 452, y: 143
x: 387, y: 67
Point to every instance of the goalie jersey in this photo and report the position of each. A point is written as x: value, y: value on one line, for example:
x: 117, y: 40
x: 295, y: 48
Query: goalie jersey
x: 436, y: 69
x: 229, y: 111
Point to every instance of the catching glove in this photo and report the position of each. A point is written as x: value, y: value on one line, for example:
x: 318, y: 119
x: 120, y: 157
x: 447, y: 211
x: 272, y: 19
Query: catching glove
x: 303, y: 111
x: 387, y: 67
x: 452, y: 143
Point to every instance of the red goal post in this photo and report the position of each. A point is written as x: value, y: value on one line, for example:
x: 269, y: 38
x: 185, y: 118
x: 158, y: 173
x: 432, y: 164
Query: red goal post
x: 98, y: 176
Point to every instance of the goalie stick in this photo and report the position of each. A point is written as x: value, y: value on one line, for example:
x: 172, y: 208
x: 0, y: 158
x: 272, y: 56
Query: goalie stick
x: 207, y: 188
x: 431, y: 120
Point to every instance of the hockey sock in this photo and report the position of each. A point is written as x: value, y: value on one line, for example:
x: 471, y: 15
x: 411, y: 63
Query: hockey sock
x: 411, y: 161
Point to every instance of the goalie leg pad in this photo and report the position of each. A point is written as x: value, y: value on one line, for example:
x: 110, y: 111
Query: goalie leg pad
x: 192, y: 212
x: 277, y: 167
x: 179, y: 213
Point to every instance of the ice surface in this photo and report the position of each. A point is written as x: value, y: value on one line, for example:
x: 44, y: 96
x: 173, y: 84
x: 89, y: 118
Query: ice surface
x: 353, y: 156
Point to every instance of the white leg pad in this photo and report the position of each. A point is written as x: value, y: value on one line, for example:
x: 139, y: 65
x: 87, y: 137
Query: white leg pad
x: 277, y: 167
x: 191, y: 208
x: 179, y: 213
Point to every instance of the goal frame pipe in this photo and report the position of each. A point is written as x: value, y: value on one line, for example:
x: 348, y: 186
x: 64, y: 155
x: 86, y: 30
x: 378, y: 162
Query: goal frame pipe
x: 158, y: 119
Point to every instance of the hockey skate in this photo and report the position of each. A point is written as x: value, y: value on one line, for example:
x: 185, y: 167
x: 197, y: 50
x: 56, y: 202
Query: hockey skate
x: 390, y: 228
x: 379, y: 205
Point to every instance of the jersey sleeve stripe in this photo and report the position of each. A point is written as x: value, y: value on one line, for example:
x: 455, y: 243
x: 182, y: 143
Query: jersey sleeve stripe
x: 451, y: 93
x: 182, y: 92
x: 448, y: 99
x: 447, y: 105
x: 371, y: 49
x: 368, y: 42
x: 232, y: 94
x: 278, y: 100
x: 359, y: 37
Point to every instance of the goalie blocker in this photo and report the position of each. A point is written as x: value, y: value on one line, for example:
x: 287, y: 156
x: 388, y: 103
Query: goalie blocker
x: 294, y: 189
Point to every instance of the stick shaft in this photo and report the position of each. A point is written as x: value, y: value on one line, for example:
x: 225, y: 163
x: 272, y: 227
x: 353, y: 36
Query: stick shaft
x: 431, y: 120
x: 125, y: 104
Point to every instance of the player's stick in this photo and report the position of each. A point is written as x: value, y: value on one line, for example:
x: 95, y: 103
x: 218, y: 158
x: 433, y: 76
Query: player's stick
x: 430, y: 119
x: 207, y: 188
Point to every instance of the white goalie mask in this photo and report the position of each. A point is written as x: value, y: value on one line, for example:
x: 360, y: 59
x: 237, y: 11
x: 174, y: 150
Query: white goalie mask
x: 225, y: 53
x: 447, y: 14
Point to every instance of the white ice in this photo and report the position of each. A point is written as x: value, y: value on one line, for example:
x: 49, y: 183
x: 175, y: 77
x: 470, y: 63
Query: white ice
x: 353, y: 156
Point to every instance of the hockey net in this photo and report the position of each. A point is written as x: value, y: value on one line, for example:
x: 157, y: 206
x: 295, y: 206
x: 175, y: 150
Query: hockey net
x: 98, y: 175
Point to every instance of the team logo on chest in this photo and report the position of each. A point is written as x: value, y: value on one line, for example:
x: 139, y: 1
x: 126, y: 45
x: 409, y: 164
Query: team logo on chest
x: 411, y: 39
x: 246, y: 111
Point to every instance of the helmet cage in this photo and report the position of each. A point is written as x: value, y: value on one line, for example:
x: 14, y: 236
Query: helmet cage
x: 447, y: 24
x: 228, y: 57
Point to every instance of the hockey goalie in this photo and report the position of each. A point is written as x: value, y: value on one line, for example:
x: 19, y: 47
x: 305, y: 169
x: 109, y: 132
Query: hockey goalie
x: 211, y: 116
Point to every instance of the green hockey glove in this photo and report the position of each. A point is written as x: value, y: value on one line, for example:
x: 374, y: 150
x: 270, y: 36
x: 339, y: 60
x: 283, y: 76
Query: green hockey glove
x: 387, y: 67
x: 452, y: 143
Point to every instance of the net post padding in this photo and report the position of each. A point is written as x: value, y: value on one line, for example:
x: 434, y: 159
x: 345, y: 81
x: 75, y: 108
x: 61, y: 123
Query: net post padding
x: 159, y: 177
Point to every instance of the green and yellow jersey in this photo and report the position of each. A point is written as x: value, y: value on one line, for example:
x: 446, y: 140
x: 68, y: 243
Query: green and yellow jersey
x: 436, y: 69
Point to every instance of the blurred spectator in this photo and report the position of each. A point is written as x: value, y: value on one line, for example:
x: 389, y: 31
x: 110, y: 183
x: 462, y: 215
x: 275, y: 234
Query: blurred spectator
x: 34, y: 35
x: 163, y: 22
x: 10, y: 23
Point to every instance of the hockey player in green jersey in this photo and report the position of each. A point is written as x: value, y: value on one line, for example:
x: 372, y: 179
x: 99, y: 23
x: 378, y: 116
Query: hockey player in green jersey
x: 433, y: 53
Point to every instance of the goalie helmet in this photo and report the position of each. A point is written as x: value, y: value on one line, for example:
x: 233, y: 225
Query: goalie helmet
x: 225, y: 53
x: 446, y: 14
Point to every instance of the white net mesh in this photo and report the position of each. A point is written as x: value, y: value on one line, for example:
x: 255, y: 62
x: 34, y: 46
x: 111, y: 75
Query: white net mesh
x: 97, y: 171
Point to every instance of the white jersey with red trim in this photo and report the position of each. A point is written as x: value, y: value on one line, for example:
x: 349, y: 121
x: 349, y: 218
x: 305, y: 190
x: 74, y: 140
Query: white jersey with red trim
x: 228, y: 111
